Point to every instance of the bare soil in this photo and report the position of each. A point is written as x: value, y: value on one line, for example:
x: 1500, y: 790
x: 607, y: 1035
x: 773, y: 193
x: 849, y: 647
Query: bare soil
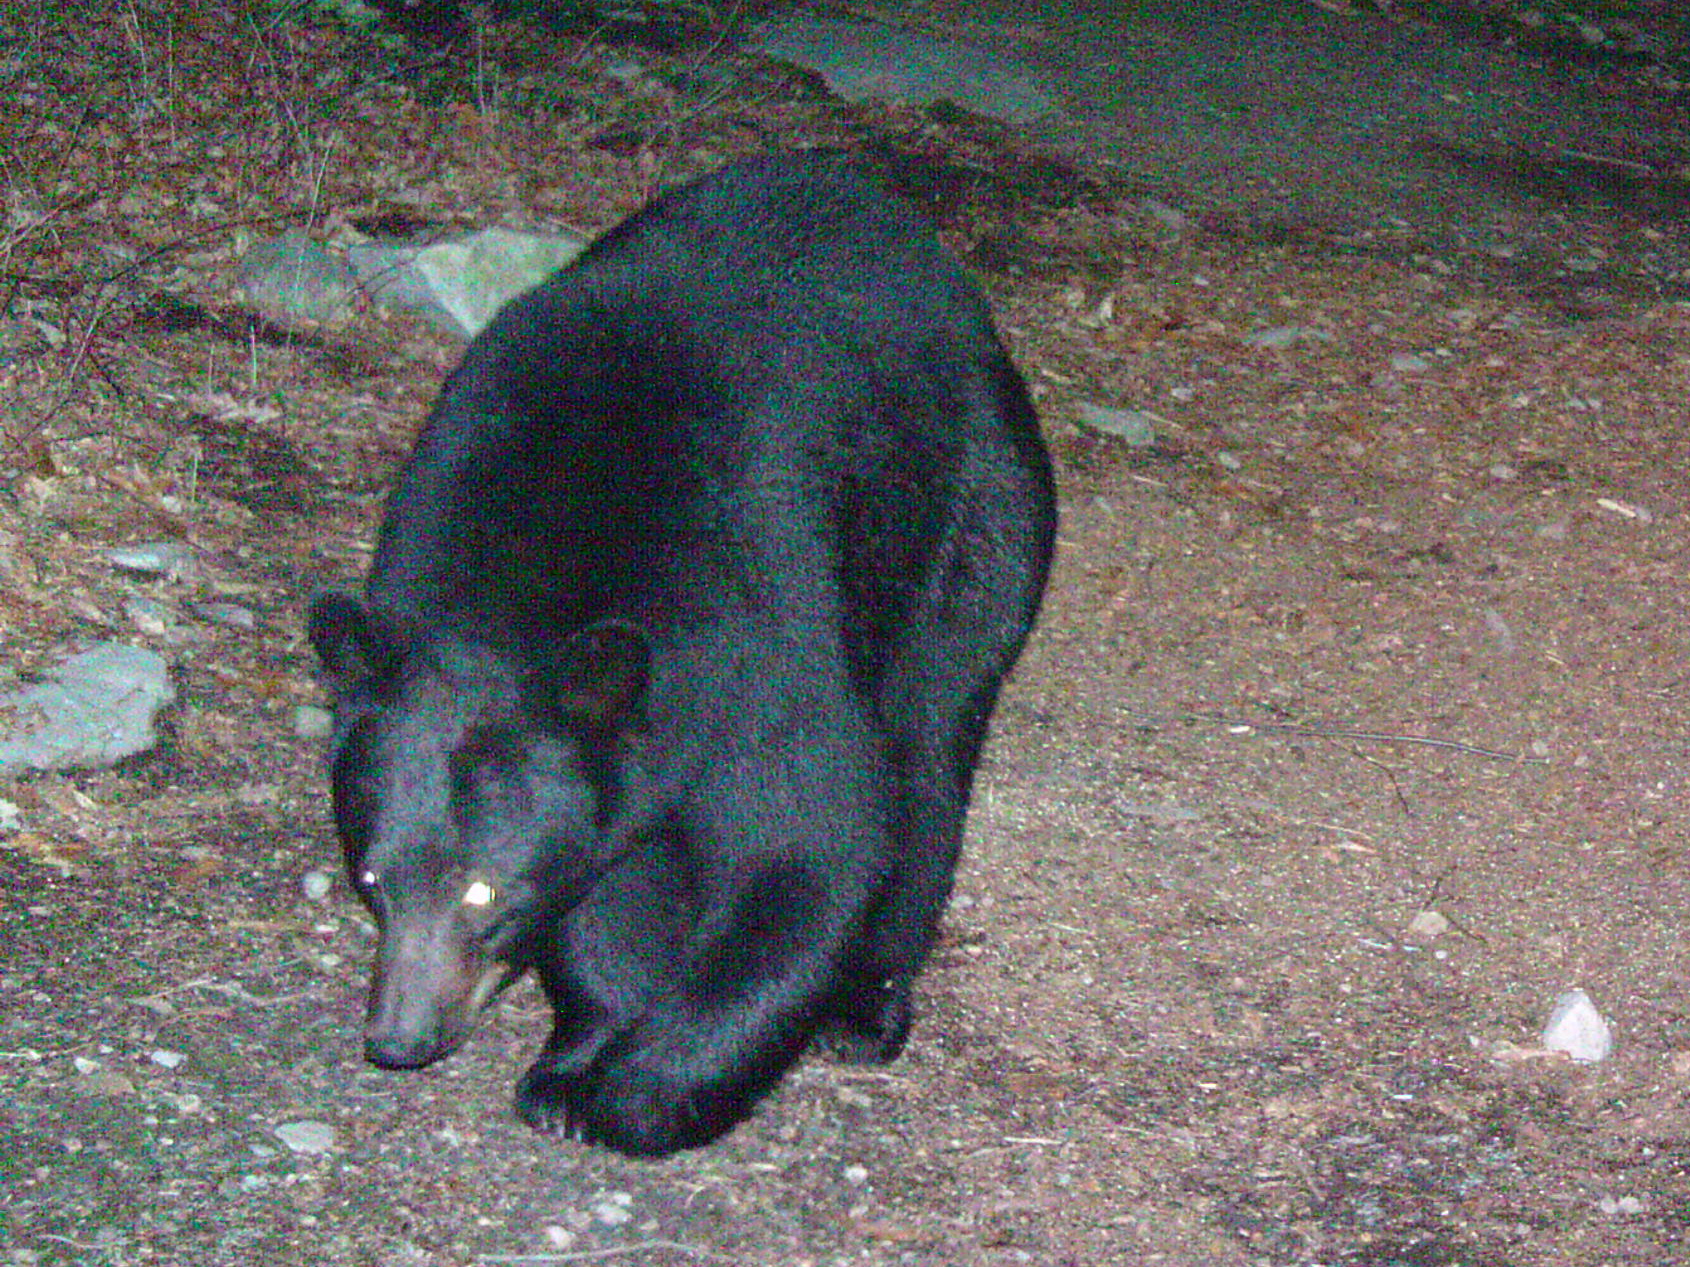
x: 1391, y: 620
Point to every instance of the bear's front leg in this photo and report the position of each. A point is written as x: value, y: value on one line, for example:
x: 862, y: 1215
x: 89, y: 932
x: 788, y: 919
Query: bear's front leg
x: 647, y: 1104
x: 542, y: 1097
x: 868, y: 1022
x: 758, y: 978
x: 583, y: 1026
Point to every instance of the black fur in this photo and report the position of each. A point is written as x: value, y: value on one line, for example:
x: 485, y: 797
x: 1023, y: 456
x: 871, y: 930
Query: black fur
x: 672, y: 670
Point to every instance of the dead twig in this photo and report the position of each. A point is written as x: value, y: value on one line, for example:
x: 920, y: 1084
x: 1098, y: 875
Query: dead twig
x: 613, y: 1251
x: 1355, y: 736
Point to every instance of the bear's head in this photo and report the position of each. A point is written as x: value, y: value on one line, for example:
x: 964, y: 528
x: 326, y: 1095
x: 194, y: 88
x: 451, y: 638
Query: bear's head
x: 477, y: 796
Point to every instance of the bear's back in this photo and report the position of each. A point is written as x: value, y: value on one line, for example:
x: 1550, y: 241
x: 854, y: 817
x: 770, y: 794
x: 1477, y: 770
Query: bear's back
x: 702, y: 412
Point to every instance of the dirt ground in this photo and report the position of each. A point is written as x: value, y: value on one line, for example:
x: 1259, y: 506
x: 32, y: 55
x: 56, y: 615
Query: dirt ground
x: 1391, y: 621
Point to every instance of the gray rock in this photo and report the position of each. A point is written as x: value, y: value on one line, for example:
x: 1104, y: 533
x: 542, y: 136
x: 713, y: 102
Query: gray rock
x: 1132, y: 425
x: 460, y: 282
x: 93, y: 710
x: 292, y: 279
x: 169, y: 559
x: 307, y: 1136
x: 1286, y: 336
x: 865, y: 60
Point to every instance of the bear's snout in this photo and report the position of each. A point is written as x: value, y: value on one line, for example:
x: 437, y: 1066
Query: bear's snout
x: 430, y: 980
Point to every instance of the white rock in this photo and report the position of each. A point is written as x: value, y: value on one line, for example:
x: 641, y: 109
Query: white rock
x: 154, y: 558
x: 1577, y: 1028
x: 1428, y: 924
x: 614, y: 1209
x: 312, y: 722
x: 560, y: 1237
x: 231, y: 614
x: 306, y: 1137
x: 316, y: 884
x: 1285, y: 336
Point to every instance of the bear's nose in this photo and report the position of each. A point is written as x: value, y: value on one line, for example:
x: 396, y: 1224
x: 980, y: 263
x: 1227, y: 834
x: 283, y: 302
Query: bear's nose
x: 395, y: 1049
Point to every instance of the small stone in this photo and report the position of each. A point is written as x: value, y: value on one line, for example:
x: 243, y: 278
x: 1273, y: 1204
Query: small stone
x: 232, y: 615
x: 1134, y: 426
x: 316, y: 884
x: 1285, y: 336
x: 91, y: 711
x: 311, y: 722
x: 152, y: 618
x: 614, y: 1210
x: 559, y: 1237
x: 307, y: 1136
x: 1577, y: 1028
x: 855, y: 1175
x: 1428, y: 924
x: 1409, y: 363
x: 166, y: 1059
x: 168, y: 559
x: 291, y: 278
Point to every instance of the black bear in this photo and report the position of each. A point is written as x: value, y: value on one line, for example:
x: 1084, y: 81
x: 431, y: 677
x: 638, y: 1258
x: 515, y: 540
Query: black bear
x: 672, y: 669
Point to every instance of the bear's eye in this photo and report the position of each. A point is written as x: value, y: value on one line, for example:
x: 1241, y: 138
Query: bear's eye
x: 479, y: 893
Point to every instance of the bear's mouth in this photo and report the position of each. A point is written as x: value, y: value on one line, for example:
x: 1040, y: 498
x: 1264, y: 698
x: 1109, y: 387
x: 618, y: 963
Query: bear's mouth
x: 426, y: 992
x: 496, y: 978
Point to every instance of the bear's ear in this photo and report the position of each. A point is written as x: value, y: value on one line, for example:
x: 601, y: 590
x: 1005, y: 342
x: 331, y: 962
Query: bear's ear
x: 351, y: 643
x: 603, y: 672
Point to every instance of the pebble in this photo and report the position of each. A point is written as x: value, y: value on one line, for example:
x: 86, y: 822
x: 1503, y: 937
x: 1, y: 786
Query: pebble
x: 614, y: 1209
x: 312, y: 722
x: 306, y: 1136
x: 166, y: 1059
x: 1577, y: 1028
x: 1132, y: 425
x: 316, y: 884
x: 559, y: 1237
x: 1428, y: 924
x: 168, y: 559
x: 232, y: 615
x: 1285, y: 336
x: 291, y: 278
x: 152, y: 618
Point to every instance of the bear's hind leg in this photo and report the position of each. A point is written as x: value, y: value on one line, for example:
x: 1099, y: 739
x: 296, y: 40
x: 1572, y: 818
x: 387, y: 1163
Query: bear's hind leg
x: 937, y: 686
